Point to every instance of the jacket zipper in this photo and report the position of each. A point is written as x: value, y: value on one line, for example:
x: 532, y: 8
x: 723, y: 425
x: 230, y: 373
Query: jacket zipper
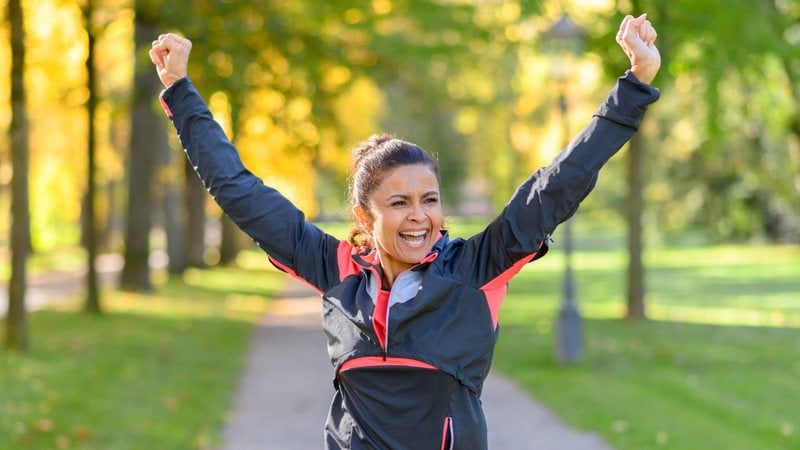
x: 383, y: 346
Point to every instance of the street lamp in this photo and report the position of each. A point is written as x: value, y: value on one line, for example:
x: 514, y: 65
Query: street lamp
x: 564, y: 40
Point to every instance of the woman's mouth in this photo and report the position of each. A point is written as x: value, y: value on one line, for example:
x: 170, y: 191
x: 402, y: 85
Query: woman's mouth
x: 414, y: 238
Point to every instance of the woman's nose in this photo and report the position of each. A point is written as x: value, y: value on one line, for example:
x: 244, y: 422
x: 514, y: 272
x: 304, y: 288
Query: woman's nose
x: 416, y: 213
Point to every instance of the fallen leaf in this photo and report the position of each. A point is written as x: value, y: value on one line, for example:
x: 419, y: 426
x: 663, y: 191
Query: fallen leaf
x: 81, y: 433
x: 62, y: 442
x: 170, y: 402
x: 43, y: 425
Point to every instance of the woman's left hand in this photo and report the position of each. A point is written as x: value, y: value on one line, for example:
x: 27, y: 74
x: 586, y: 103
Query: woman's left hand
x: 637, y: 37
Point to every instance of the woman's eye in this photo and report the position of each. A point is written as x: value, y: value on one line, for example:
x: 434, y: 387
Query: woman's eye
x: 398, y: 203
x: 432, y: 200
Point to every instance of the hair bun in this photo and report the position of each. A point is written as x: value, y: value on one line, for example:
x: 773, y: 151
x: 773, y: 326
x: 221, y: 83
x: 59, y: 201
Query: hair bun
x: 368, y: 146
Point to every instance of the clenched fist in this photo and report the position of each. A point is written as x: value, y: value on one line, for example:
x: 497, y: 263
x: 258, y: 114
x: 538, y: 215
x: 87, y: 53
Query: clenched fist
x: 170, y: 54
x: 637, y: 37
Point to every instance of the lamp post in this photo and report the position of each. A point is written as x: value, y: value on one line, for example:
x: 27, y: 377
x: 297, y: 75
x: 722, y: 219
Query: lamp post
x: 566, y: 39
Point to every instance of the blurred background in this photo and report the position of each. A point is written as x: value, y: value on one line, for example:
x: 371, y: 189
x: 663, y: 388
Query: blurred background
x: 92, y: 176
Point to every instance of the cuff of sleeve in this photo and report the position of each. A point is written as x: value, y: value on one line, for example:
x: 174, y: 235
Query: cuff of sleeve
x: 628, y: 101
x: 168, y: 97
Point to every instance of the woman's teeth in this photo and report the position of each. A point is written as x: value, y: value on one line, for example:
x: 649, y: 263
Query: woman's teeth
x: 413, y: 236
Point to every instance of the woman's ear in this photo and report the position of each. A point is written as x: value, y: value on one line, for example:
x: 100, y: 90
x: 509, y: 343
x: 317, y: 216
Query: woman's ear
x: 363, y: 218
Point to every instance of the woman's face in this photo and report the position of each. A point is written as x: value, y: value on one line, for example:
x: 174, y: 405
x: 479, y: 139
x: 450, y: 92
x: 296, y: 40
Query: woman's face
x: 404, y: 217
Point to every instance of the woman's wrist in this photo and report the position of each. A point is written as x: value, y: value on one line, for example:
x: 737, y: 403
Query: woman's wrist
x: 645, y: 72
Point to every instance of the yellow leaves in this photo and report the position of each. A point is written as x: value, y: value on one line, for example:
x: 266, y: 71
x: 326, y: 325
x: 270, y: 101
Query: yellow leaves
x: 359, y: 107
x: 220, y: 108
x: 353, y: 16
x: 522, y: 137
x: 335, y: 77
x: 222, y: 63
x: 513, y: 32
x: 308, y: 135
x: 298, y: 109
x: 255, y: 75
x: 267, y: 101
x: 467, y: 120
x: 278, y: 64
x: 381, y: 7
x: 276, y: 142
x: 77, y: 96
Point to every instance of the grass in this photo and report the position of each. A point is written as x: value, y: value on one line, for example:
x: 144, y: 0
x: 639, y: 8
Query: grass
x: 154, y: 371
x: 717, y: 366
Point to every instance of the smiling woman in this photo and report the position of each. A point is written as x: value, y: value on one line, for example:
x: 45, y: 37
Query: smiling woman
x: 410, y: 314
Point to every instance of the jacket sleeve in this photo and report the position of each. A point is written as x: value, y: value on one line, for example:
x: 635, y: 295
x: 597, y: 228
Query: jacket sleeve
x: 552, y: 194
x: 269, y: 218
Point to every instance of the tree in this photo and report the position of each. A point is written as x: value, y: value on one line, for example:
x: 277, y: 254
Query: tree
x: 194, y: 203
x: 92, y: 304
x: 615, y: 62
x: 232, y: 238
x: 16, y: 328
x: 174, y: 217
x: 634, y: 213
x: 143, y: 160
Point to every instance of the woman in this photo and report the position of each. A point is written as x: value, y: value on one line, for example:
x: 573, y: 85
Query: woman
x: 410, y: 315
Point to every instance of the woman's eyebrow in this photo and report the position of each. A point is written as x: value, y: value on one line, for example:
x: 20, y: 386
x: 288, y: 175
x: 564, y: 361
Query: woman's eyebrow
x: 406, y: 196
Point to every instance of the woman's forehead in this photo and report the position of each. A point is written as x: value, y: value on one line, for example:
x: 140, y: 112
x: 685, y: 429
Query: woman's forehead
x: 408, y: 179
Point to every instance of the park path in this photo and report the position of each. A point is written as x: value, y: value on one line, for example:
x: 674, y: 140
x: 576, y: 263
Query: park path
x: 54, y: 288
x: 284, y: 393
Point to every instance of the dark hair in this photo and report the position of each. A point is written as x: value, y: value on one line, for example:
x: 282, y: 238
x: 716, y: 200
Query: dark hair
x: 371, y: 160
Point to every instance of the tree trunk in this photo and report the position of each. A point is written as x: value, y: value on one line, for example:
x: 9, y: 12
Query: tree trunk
x: 231, y: 239
x: 16, y: 320
x: 231, y: 243
x: 196, y: 217
x: 635, y: 207
x: 90, y: 225
x: 144, y: 147
x: 174, y: 212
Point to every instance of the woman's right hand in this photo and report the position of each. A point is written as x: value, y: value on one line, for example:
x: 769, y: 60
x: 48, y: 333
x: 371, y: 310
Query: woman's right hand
x: 170, y: 54
x: 637, y: 37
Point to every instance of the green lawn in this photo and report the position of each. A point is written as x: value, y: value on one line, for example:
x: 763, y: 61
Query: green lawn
x: 156, y: 371
x: 717, y: 366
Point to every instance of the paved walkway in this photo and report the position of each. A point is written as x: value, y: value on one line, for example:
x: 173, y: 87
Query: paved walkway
x: 284, y: 393
x: 53, y: 288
